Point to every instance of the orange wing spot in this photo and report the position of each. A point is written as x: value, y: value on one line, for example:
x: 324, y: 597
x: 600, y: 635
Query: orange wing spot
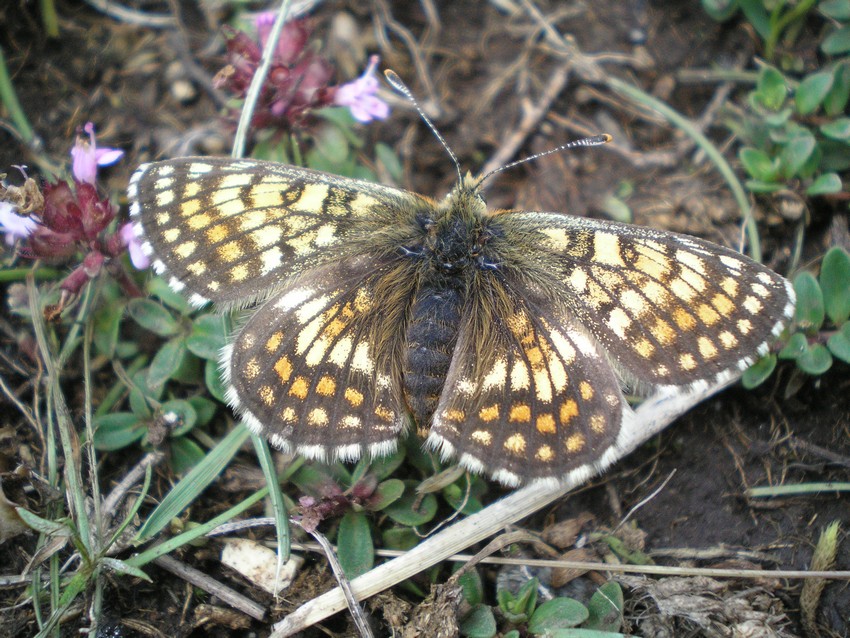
x: 515, y: 443
x: 520, y: 413
x: 490, y: 413
x: 546, y: 424
x: 753, y: 305
x: 569, y: 410
x: 575, y: 443
x: 300, y: 388
x: 730, y: 286
x: 723, y: 305
x: 283, y: 367
x: 544, y: 453
x: 289, y: 416
x: 707, y: 314
x: 384, y: 413
x: 354, y: 397
x: 267, y: 395
x: 217, y: 233
x: 251, y: 369
x: 684, y: 319
x: 744, y: 326
x: 663, y: 332
x: 274, y: 342
x: 231, y: 251
x: 196, y: 222
x: 333, y: 329
x: 644, y: 348
x: 326, y: 386
x: 586, y: 390
x: 535, y: 358
x: 240, y: 273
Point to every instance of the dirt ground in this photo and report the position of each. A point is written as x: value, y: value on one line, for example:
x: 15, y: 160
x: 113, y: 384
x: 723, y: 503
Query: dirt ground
x: 148, y: 91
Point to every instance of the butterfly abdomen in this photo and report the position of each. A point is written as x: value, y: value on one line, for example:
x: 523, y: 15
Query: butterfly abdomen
x: 431, y: 337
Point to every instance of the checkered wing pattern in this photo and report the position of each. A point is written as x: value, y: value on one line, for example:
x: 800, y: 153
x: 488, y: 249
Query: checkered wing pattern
x: 309, y: 372
x: 232, y: 231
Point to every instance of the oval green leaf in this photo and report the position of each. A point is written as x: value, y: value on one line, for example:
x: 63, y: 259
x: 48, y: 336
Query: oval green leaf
x: 839, y: 343
x: 478, y: 623
x: 826, y: 184
x: 771, y: 89
x: 605, y: 608
x: 208, y: 337
x: 181, y: 416
x: 759, y: 372
x: 117, y: 430
x: 809, y: 313
x: 153, y: 317
x: 796, y: 153
x: 558, y: 613
x: 166, y: 362
x: 835, y: 285
x: 758, y: 164
x: 412, y: 509
x: 812, y: 91
x: 815, y: 361
x: 354, y: 545
x: 837, y: 42
x: 795, y: 347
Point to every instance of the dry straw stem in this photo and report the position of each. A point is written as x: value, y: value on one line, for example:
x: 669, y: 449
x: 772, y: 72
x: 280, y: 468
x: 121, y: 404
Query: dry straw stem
x: 822, y: 560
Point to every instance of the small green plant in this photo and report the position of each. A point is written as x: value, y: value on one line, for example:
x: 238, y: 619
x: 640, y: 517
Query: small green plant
x: 560, y: 616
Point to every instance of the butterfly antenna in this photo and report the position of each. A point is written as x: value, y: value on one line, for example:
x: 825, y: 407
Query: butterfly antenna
x: 596, y: 140
x: 398, y: 84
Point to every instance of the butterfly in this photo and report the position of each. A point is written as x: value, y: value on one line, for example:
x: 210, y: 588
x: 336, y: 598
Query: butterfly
x: 505, y: 337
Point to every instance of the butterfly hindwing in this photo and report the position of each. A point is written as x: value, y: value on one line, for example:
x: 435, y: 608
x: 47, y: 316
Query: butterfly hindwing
x: 315, y: 369
x: 528, y: 394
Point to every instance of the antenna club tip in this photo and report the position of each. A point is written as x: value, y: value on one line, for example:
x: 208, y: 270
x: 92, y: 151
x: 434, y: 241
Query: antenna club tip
x: 607, y: 138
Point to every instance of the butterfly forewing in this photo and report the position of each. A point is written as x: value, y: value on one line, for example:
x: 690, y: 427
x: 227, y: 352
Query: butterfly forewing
x: 231, y: 231
x: 669, y: 309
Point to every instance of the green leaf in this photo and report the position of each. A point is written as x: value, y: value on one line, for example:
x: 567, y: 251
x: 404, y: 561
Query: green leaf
x: 402, y: 538
x: 387, y: 492
x: 107, y: 322
x: 835, y: 9
x: 837, y: 129
x: 479, y: 623
x: 759, y: 372
x: 720, y: 10
x: 518, y: 609
x: 117, y: 430
x: 214, y: 382
x: 809, y: 313
x: 605, y: 609
x: 42, y: 525
x: 457, y: 497
x: 815, y: 361
x: 204, y: 408
x: 837, y: 42
x: 796, y: 153
x: 389, y: 158
x: 771, y: 89
x: 812, y: 92
x: 166, y: 362
x: 208, y: 336
x: 756, y: 186
x: 180, y: 414
x: 159, y: 288
x: 120, y: 567
x: 412, y: 509
x: 836, y: 100
x: 354, y: 545
x: 826, y: 184
x: 835, y: 285
x: 383, y: 466
x: 759, y: 164
x: 185, y: 455
x: 153, y: 317
x: 839, y: 343
x: 473, y: 588
x: 795, y: 347
x: 558, y: 613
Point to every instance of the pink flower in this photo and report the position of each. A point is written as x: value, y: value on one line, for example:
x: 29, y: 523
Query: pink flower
x: 13, y: 225
x: 138, y: 258
x: 360, y: 95
x: 87, y: 157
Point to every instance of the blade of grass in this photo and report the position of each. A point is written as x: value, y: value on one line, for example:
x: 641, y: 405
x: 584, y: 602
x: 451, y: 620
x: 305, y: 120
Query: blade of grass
x: 196, y: 481
x: 276, y: 498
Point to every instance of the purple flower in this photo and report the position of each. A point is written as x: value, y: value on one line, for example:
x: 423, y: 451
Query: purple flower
x: 87, y: 157
x: 137, y: 256
x: 13, y: 225
x: 360, y: 95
